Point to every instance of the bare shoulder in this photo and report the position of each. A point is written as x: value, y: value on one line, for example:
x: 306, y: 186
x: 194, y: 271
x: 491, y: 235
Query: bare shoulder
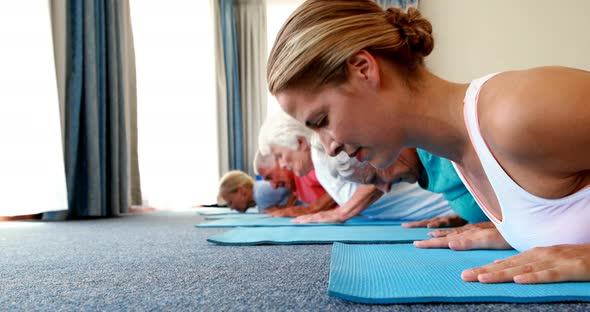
x: 532, y: 114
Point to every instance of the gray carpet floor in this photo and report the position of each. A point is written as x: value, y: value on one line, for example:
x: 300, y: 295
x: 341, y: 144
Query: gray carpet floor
x: 160, y: 261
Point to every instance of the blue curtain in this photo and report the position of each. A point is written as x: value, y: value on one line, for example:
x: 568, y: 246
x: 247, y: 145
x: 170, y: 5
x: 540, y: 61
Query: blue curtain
x: 233, y: 94
x: 95, y: 131
x: 397, y: 3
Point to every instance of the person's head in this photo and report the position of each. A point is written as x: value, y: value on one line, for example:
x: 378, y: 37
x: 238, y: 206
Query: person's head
x: 406, y: 168
x: 350, y: 70
x: 288, y: 140
x: 269, y: 169
x: 236, y: 190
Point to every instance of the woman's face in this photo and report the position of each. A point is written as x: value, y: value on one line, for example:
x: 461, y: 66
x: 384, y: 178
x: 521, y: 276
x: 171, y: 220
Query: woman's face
x: 299, y: 161
x: 238, y: 200
x: 358, y: 116
x: 278, y: 177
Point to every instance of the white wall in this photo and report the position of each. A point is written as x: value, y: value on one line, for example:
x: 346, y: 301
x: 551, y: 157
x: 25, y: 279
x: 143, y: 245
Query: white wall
x: 477, y: 37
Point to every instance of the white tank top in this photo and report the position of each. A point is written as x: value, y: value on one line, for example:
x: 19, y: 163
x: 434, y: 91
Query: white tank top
x: 527, y: 220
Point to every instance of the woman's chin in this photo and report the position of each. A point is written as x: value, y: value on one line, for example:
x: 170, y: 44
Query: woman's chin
x: 380, y: 163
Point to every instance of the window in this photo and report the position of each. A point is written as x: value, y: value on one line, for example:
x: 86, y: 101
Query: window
x: 32, y: 175
x: 177, y: 128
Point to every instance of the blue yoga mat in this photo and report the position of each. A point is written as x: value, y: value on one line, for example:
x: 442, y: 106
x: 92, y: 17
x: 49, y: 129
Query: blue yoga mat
x: 208, y: 211
x: 405, y: 274
x: 319, y: 235
x: 237, y: 216
x: 234, y: 222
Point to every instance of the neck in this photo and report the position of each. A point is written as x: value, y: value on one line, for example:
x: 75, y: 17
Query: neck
x: 435, y: 121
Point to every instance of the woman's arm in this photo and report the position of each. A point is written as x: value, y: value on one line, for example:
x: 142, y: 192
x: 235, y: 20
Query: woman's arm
x: 363, y: 197
x: 536, y: 124
x: 324, y: 202
x: 291, y: 201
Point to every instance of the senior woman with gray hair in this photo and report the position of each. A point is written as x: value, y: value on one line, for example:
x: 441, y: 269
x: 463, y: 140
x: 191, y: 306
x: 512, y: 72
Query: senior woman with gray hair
x: 305, y: 184
x: 290, y: 142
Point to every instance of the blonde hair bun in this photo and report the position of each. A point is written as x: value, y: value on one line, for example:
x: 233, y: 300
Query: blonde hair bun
x: 416, y: 30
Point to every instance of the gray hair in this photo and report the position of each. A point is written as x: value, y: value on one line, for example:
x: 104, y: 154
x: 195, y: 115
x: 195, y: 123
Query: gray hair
x: 341, y: 165
x: 263, y: 162
x: 353, y: 170
x: 281, y: 130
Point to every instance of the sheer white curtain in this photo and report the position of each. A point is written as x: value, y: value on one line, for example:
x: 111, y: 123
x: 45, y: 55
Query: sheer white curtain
x: 176, y: 105
x: 252, y: 53
x: 32, y: 175
x: 277, y: 12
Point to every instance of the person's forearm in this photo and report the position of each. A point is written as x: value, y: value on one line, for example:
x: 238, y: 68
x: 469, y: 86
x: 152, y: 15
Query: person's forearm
x: 292, y: 200
x: 363, y: 197
x: 324, y: 202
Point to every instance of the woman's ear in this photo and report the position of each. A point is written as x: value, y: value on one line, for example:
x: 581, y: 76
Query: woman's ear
x: 302, y: 144
x: 363, y: 66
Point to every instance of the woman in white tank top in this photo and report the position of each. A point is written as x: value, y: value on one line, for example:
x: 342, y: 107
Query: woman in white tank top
x: 354, y: 73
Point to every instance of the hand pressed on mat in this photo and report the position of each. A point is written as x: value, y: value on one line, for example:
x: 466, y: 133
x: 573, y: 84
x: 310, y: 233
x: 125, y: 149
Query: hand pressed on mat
x: 363, y: 197
x: 466, y: 239
x: 464, y: 228
x: 538, y: 265
x: 293, y: 211
x: 552, y: 264
x: 446, y: 221
x: 328, y: 216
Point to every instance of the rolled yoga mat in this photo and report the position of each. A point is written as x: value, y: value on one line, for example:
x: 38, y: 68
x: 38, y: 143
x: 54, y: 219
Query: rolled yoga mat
x: 404, y: 274
x: 318, y: 235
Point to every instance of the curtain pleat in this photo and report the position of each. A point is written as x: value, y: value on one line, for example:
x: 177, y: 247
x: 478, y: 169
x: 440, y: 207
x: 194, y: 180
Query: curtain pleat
x: 96, y: 121
x: 118, y: 165
x: 241, y: 46
x: 251, y: 28
x: 233, y: 96
x: 220, y: 90
x: 129, y: 91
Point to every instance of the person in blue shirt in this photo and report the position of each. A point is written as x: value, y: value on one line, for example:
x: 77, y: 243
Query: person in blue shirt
x: 239, y: 191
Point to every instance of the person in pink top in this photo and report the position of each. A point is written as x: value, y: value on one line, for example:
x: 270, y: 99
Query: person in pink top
x: 308, y: 188
x: 519, y: 140
x: 310, y: 193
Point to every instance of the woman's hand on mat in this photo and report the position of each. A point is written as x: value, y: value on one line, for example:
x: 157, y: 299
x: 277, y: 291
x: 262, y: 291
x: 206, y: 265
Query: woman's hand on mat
x: 446, y: 221
x: 465, y: 228
x: 488, y: 238
x: 552, y: 264
x: 327, y: 216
